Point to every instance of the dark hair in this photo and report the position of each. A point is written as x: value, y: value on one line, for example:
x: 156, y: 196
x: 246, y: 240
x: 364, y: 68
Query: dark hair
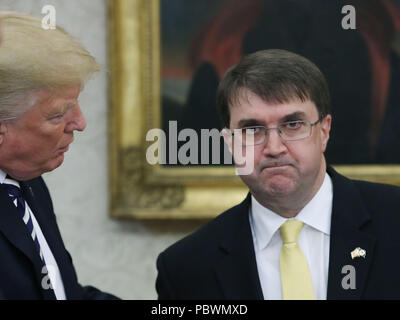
x: 276, y: 76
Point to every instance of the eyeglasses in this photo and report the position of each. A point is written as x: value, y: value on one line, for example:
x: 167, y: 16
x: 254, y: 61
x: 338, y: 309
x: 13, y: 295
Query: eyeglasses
x: 288, y: 131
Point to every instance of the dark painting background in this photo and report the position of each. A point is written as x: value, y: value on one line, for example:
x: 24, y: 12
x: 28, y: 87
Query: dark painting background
x: 201, y: 39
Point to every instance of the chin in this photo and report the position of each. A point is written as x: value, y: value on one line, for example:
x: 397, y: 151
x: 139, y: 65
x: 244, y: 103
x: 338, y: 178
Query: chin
x: 55, y: 163
x: 60, y: 160
x: 279, y: 187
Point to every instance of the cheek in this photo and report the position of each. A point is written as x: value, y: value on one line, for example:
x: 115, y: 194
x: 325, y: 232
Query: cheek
x: 247, y: 158
x: 307, y: 156
x: 51, y: 135
x: 43, y: 143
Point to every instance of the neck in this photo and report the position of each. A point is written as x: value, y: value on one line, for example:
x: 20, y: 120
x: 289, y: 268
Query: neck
x: 289, y: 205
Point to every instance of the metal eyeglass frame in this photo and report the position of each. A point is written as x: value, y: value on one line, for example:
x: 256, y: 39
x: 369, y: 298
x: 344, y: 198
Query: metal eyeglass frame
x: 280, y: 132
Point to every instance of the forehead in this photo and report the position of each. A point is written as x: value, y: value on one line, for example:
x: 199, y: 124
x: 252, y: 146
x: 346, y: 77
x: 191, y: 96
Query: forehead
x: 56, y: 98
x: 250, y: 106
x: 46, y: 102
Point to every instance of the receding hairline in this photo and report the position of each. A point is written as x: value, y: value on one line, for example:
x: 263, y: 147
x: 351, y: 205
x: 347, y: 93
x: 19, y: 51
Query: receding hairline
x: 243, y: 94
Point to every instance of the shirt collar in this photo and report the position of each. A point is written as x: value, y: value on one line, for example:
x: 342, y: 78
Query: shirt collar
x: 2, y: 176
x: 4, y: 179
x: 316, y: 214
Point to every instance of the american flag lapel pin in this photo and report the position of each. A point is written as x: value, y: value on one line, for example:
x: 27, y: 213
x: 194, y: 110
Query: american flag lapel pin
x: 358, y: 252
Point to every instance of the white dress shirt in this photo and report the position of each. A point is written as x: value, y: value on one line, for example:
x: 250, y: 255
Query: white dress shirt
x: 313, y: 240
x: 53, y: 271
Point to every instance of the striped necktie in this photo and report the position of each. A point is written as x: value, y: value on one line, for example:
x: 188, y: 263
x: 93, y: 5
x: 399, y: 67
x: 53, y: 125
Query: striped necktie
x: 15, y: 194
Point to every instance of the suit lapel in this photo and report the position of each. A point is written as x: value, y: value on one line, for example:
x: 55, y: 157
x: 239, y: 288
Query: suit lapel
x: 14, y: 229
x: 28, y: 194
x: 50, y: 231
x: 236, y: 268
x: 349, y: 215
x: 43, y: 220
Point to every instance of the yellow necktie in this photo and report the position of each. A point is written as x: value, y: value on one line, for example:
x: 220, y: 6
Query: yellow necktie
x: 295, y: 274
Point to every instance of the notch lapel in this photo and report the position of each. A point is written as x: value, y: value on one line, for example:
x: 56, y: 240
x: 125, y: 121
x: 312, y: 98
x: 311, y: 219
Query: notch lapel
x: 44, y: 220
x: 29, y: 198
x: 14, y: 229
x: 349, y: 215
x: 49, y: 228
x: 236, y: 268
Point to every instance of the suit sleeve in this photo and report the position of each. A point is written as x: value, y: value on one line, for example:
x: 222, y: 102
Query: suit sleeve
x: 163, y: 284
x: 85, y: 292
x: 92, y: 293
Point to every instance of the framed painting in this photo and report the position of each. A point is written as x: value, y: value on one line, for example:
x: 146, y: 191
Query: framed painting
x: 166, y: 58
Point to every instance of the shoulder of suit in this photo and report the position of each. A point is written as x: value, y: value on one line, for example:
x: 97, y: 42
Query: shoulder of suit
x: 36, y: 182
x: 381, y: 200
x: 365, y: 188
x: 373, y: 188
x: 210, y: 233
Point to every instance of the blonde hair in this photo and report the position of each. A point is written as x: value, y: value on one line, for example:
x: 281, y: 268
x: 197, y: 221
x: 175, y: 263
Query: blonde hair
x: 32, y: 58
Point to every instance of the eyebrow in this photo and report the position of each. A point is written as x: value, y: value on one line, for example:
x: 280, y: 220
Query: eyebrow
x: 65, y: 108
x: 249, y: 123
x: 297, y: 115
x: 68, y: 106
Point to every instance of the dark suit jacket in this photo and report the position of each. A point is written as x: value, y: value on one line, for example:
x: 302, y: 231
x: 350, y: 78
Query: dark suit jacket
x: 21, y: 268
x: 218, y: 261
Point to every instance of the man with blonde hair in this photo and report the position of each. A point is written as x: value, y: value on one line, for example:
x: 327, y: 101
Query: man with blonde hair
x: 42, y: 73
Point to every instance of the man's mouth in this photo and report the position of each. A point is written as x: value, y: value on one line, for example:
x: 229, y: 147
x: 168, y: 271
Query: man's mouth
x: 275, y: 168
x: 275, y: 165
x: 64, y: 149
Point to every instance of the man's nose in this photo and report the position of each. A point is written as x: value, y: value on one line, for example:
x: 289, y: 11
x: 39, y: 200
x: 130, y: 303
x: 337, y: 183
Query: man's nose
x: 77, y: 121
x: 274, y: 145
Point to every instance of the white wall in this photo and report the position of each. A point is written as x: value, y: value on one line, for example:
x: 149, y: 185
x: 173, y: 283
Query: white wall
x: 115, y: 256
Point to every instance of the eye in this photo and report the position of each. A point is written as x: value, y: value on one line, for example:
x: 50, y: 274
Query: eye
x: 59, y: 116
x: 251, y: 130
x: 293, y: 125
x: 56, y: 118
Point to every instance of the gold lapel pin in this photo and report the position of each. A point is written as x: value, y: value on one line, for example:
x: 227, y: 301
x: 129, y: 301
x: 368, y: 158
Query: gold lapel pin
x: 358, y: 252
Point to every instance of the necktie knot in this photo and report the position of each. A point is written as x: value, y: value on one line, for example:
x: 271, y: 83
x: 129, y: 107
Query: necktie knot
x: 13, y: 190
x: 290, y: 231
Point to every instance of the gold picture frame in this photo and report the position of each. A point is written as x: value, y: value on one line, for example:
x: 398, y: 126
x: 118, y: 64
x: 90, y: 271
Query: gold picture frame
x: 137, y: 189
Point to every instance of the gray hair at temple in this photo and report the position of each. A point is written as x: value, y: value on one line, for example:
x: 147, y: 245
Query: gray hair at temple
x: 276, y: 76
x: 32, y: 59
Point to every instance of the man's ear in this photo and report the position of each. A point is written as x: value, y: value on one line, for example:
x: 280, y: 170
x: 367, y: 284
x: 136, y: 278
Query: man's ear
x: 325, y: 130
x: 3, y: 131
x: 227, y: 134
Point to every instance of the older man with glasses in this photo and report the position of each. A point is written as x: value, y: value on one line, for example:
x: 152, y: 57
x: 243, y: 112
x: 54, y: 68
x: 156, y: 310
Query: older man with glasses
x: 304, y: 231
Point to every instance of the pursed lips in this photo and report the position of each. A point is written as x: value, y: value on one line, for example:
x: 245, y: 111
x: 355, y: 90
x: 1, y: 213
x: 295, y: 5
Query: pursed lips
x: 275, y: 166
x: 65, y: 148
